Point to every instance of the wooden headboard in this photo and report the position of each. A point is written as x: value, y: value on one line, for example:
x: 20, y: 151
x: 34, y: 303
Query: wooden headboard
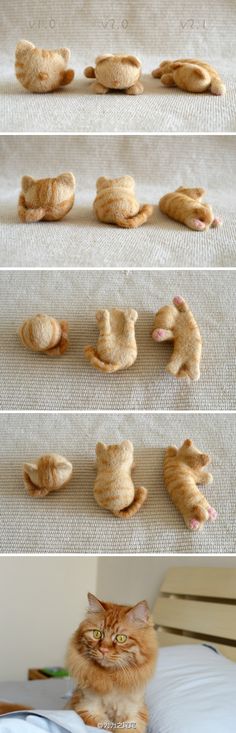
x: 198, y: 605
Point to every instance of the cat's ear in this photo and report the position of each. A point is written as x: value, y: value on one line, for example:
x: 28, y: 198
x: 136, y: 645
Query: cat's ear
x: 26, y: 183
x: 64, y: 469
x: 172, y: 450
x: 99, y: 59
x: 102, y: 182
x: 127, y: 181
x: 64, y: 53
x: 67, y: 178
x: 94, y: 604
x: 23, y: 47
x: 139, y: 614
x: 31, y: 470
x: 133, y: 60
x: 188, y: 443
x: 100, y: 448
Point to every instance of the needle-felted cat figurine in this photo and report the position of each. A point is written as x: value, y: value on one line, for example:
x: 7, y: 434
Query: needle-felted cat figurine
x: 117, y: 72
x: 116, y: 345
x: 115, y: 203
x: 111, y: 657
x: 49, y: 473
x: 45, y: 335
x: 190, y: 75
x: 114, y: 489
x: 41, y: 70
x: 48, y: 198
x: 176, y: 323
x: 185, y: 205
x: 183, y: 470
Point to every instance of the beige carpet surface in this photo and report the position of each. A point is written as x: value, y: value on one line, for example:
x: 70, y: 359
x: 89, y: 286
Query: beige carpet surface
x: 158, y: 165
x: 152, y: 30
x: 33, y: 381
x: 71, y: 521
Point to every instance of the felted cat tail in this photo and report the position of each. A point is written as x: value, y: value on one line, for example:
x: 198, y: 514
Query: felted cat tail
x: 136, y: 221
x: 29, y: 215
x: 139, y: 499
x: 102, y: 366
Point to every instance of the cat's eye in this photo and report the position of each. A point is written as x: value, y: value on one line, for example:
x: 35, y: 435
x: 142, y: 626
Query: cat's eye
x: 121, y: 638
x: 97, y: 634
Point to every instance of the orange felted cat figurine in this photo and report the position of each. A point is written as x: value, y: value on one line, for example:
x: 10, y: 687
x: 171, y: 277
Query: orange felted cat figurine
x: 40, y: 70
x: 116, y: 203
x: 185, y: 205
x: 117, y: 72
x: 176, y: 323
x: 114, y: 489
x: 116, y: 346
x: 183, y: 470
x: 47, y: 198
x: 48, y: 473
x: 191, y: 75
x: 45, y: 335
x: 111, y: 658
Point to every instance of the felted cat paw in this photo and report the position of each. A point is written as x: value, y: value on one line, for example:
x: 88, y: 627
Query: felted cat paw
x: 183, y: 471
x: 117, y: 72
x: 45, y: 335
x: 116, y: 346
x: 115, y: 203
x: 114, y: 489
x: 40, y: 70
x: 190, y: 75
x: 48, y: 473
x: 48, y: 198
x: 176, y: 323
x: 185, y: 206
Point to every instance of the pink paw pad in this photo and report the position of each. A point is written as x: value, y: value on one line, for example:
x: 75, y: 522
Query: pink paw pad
x: 194, y: 524
x: 212, y: 513
x: 199, y: 224
x: 158, y: 334
x: 177, y: 300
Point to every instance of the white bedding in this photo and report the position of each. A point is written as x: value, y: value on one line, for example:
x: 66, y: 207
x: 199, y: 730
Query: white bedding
x: 52, y: 722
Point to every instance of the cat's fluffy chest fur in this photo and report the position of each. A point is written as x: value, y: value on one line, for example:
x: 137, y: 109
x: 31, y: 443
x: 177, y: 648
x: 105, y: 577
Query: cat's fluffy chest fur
x: 114, y: 706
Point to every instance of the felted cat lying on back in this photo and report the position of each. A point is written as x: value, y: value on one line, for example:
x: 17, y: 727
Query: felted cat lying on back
x: 41, y: 70
x: 191, y: 75
x: 185, y: 205
x: 115, y: 203
x: 114, y: 489
x: 47, y: 198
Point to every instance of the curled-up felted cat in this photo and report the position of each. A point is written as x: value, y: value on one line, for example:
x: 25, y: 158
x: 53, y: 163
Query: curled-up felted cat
x: 111, y: 657
x: 185, y: 205
x: 47, y: 198
x: 190, y: 75
x: 41, y: 70
x: 176, y: 323
x: 116, y: 345
x: 183, y: 470
x: 117, y: 72
x: 48, y: 473
x: 114, y: 489
x: 45, y: 335
x: 115, y: 203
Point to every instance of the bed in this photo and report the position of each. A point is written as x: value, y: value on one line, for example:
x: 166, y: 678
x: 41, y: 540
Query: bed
x: 194, y: 686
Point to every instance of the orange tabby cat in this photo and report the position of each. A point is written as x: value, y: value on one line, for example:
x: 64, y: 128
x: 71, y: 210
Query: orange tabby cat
x: 116, y: 346
x: 183, y: 470
x: 45, y: 335
x: 47, y: 198
x: 48, y: 473
x: 111, y: 657
x: 115, y: 203
x: 191, y: 75
x: 176, y: 323
x: 115, y: 71
x: 185, y: 205
x: 41, y: 70
x: 114, y: 489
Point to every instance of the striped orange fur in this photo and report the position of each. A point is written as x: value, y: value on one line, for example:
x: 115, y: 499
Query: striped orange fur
x: 116, y: 345
x: 185, y: 205
x: 115, y: 203
x: 111, y: 676
x: 40, y: 70
x: 49, y: 473
x: 183, y: 470
x: 115, y: 71
x: 114, y: 489
x: 45, y: 335
x: 176, y: 323
x: 191, y: 75
x: 47, y: 198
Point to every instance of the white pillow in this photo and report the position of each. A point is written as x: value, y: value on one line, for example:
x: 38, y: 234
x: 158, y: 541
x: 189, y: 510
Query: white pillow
x: 193, y: 691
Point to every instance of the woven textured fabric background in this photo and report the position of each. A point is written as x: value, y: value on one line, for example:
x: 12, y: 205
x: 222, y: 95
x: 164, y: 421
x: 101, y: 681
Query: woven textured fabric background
x: 71, y: 521
x: 152, y: 30
x: 34, y: 381
x: 159, y: 165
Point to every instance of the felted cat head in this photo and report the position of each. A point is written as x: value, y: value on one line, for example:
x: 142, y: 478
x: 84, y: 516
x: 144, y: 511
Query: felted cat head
x: 115, y: 71
x: 46, y: 198
x: 114, y: 637
x: 46, y: 474
x: 125, y: 182
x: 193, y: 457
x: 113, y: 455
x: 45, y: 334
x: 41, y: 70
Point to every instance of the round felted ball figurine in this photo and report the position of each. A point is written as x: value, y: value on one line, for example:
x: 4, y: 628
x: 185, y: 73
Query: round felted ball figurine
x: 190, y: 75
x: 47, y: 198
x: 41, y: 70
x: 45, y: 335
x: 48, y: 473
x: 117, y: 72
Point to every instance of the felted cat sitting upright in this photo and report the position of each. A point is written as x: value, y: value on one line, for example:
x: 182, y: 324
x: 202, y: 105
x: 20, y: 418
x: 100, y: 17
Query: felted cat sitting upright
x: 116, y: 346
x: 41, y: 70
x: 47, y: 198
x: 191, y: 75
x: 115, y: 203
x: 114, y: 489
x: 185, y: 205
x: 115, y: 71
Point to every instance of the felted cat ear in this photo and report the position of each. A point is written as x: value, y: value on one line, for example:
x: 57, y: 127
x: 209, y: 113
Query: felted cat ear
x: 26, y: 182
x: 23, y: 46
x: 64, y: 52
x: 94, y: 604
x: 99, y: 59
x: 139, y: 613
x: 133, y: 60
x: 102, y: 182
x: 32, y: 471
x: 63, y: 470
x: 67, y: 178
x: 100, y: 448
x: 188, y: 443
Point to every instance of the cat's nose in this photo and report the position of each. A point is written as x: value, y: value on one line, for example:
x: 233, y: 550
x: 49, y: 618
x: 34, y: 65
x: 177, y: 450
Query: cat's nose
x: 104, y: 649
